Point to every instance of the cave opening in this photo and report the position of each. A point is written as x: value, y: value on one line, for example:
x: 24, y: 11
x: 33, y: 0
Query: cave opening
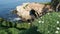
x: 32, y: 13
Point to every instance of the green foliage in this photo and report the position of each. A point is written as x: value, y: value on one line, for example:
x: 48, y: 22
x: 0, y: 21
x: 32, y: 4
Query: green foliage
x: 1, y: 20
x: 23, y: 25
x: 13, y: 31
x: 3, y: 31
x: 47, y: 24
x: 32, y: 30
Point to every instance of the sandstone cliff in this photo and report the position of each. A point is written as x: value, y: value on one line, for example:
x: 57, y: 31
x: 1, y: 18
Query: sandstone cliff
x: 28, y: 11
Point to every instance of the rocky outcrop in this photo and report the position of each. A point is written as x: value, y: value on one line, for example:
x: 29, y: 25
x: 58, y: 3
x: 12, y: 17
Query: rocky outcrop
x: 30, y: 11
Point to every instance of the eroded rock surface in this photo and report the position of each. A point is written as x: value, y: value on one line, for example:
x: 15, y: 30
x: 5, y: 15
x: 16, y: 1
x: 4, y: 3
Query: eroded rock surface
x: 29, y: 11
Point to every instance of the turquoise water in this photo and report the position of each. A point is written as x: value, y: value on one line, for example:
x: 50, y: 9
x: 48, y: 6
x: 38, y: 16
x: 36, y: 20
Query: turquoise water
x: 7, y: 5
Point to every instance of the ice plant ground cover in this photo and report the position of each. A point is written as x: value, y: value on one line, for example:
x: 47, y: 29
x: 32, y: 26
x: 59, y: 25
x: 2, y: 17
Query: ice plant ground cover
x: 46, y: 24
x: 49, y: 23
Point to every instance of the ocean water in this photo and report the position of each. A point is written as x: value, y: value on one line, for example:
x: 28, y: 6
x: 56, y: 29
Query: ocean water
x: 7, y: 5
